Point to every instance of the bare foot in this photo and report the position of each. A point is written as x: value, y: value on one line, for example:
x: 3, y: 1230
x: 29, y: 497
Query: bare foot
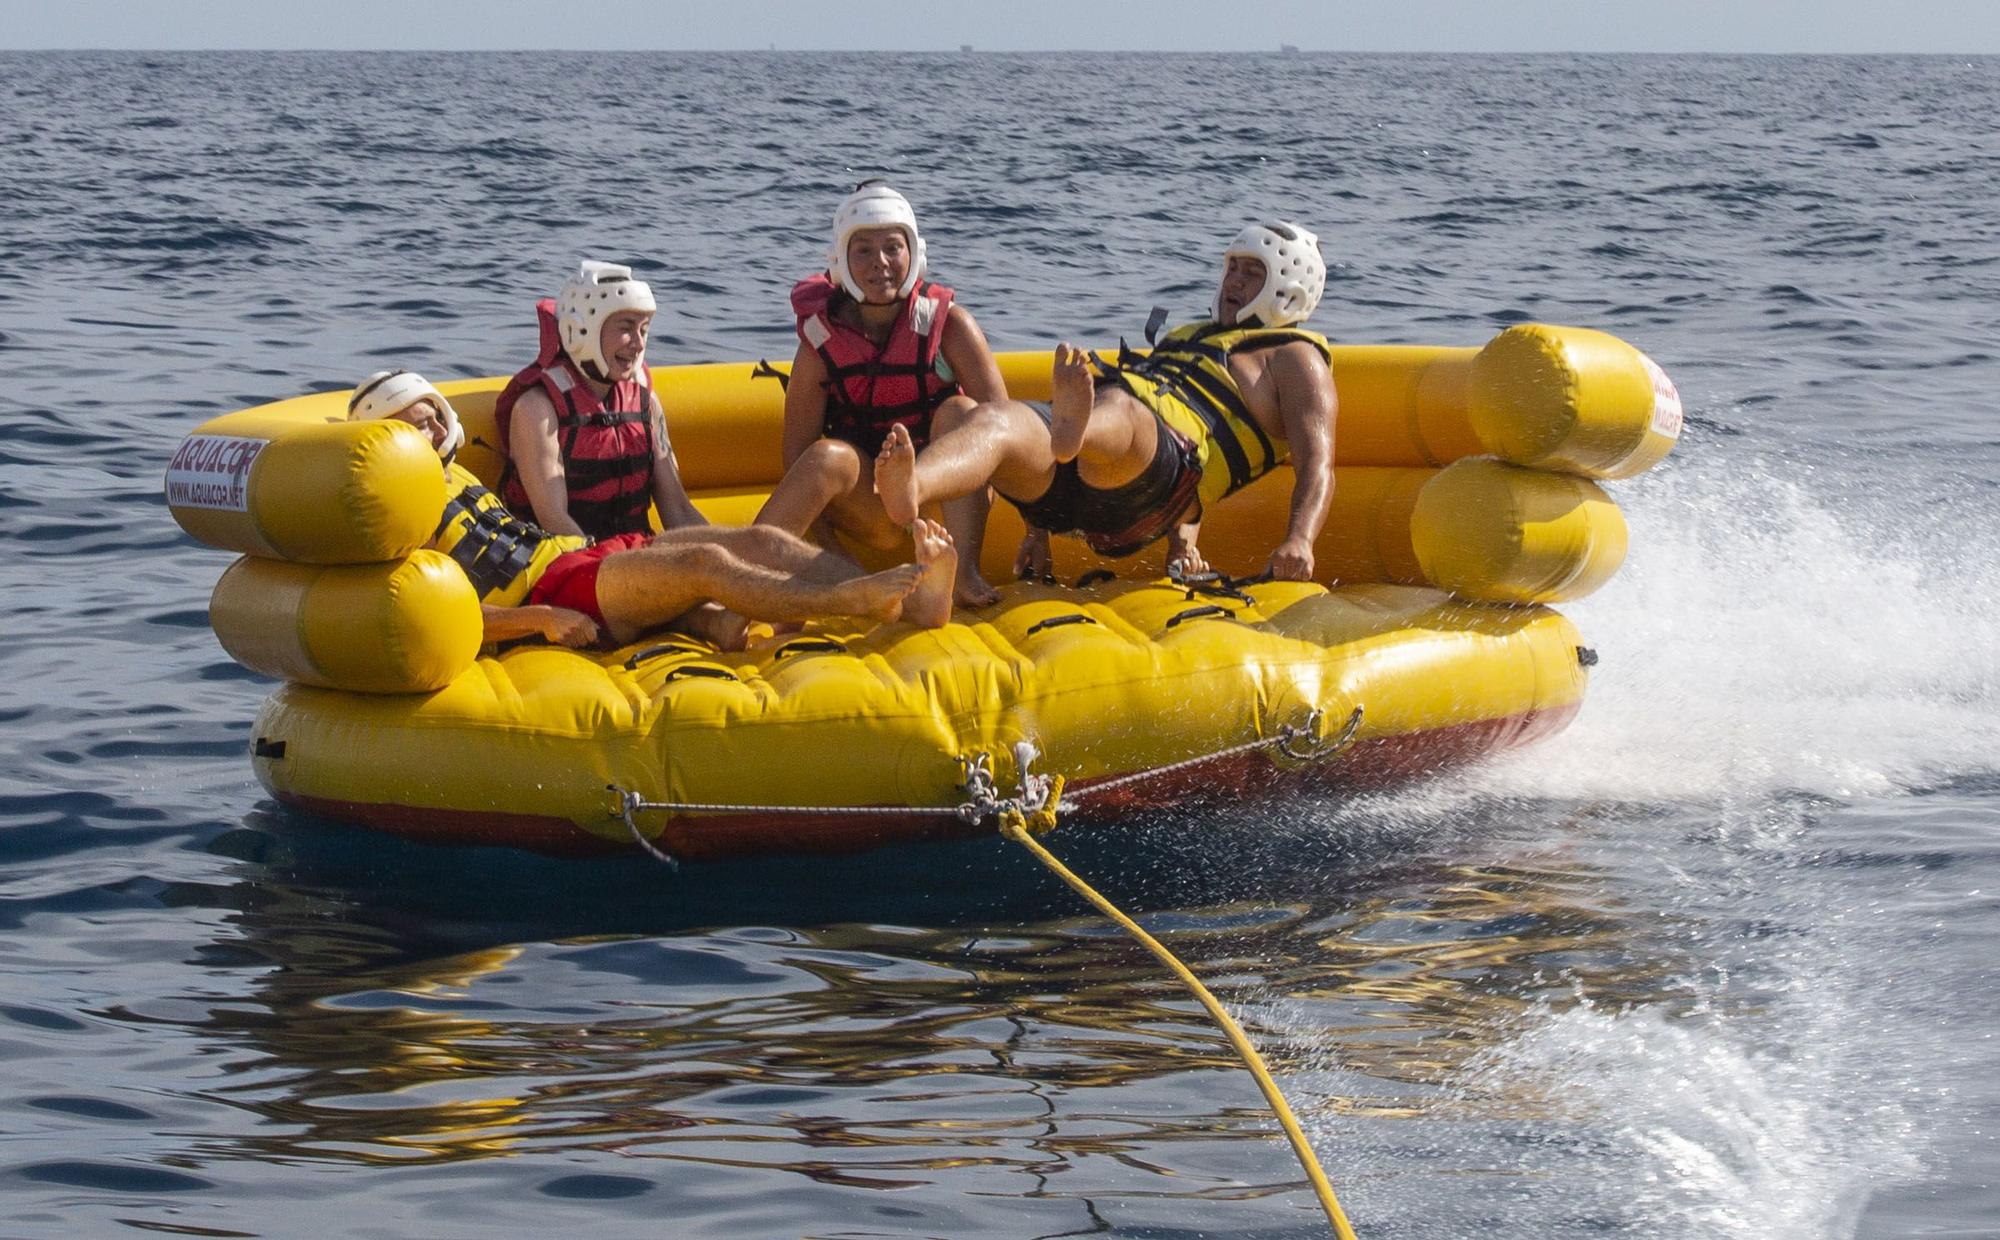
x: 878, y: 595
x: 930, y: 603
x: 1071, y: 390
x: 896, y: 476
x: 971, y: 589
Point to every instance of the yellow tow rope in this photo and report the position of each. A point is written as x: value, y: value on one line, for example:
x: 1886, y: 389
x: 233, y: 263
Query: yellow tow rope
x: 1022, y: 828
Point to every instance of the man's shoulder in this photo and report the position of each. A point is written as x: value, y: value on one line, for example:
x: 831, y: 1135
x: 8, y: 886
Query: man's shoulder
x: 1311, y: 350
x: 1284, y: 346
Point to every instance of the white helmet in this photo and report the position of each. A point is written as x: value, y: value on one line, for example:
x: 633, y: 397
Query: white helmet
x: 1294, y: 273
x: 595, y: 293
x: 874, y: 205
x: 387, y: 393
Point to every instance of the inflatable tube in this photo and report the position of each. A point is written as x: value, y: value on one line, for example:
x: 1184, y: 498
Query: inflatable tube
x: 373, y: 506
x: 1138, y: 691
x: 1562, y: 398
x: 404, y: 626
x: 1121, y: 679
x: 1500, y: 533
x: 296, y: 481
x: 1572, y: 400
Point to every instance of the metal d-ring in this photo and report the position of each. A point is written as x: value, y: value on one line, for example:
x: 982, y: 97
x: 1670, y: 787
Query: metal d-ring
x: 1317, y: 750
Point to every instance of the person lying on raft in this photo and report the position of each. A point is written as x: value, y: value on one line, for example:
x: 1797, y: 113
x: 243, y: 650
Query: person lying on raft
x: 878, y: 347
x: 1144, y: 452
x: 566, y: 589
x: 581, y: 428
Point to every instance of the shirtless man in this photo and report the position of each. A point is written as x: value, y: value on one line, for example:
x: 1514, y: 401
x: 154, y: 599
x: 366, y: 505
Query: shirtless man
x: 566, y: 589
x: 1140, y: 452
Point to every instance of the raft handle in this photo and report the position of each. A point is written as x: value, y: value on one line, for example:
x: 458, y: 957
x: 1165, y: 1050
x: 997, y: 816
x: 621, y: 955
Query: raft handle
x: 1196, y: 613
x: 1094, y: 576
x: 267, y: 748
x: 653, y: 652
x: 1216, y: 582
x: 1586, y: 657
x: 811, y: 645
x: 1056, y: 622
x: 706, y: 671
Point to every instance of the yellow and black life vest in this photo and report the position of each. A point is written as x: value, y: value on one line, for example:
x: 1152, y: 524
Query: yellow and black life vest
x: 1186, y: 380
x: 503, y: 555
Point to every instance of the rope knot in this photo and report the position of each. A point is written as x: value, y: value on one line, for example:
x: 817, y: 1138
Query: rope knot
x: 1042, y: 821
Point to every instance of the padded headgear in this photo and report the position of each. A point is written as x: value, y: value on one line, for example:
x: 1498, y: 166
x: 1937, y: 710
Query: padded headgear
x: 387, y: 393
x: 874, y: 205
x: 595, y: 293
x: 1294, y: 273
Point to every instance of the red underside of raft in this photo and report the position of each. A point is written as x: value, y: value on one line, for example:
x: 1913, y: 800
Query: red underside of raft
x: 1370, y: 764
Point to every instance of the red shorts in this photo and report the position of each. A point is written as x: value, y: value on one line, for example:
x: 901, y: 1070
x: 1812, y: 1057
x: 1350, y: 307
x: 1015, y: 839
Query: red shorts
x: 571, y: 578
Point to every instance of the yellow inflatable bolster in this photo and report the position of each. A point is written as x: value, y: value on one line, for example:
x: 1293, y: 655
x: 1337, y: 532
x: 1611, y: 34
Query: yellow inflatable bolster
x: 1500, y: 533
x: 407, y: 626
x: 319, y: 493
x: 1561, y: 398
x: 1572, y: 400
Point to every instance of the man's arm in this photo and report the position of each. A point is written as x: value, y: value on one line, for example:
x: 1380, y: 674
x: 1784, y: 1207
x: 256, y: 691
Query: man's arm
x: 537, y: 457
x: 676, y: 509
x: 1308, y: 405
x: 556, y: 624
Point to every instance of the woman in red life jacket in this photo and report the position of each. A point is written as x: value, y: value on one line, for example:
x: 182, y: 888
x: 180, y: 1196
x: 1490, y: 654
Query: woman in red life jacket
x: 878, y: 347
x: 581, y: 428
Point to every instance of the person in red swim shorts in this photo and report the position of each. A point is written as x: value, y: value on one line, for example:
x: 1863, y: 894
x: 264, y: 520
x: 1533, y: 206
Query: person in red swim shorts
x: 569, y: 590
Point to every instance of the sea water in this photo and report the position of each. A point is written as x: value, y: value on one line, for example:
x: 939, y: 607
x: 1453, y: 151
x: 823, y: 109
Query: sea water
x: 1717, y: 961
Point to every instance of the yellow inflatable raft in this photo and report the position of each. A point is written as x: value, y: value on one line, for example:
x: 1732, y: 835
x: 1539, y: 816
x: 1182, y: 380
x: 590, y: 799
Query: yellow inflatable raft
x: 1466, y: 499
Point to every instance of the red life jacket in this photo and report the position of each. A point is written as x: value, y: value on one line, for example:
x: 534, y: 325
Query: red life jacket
x: 607, y: 450
x: 870, y: 389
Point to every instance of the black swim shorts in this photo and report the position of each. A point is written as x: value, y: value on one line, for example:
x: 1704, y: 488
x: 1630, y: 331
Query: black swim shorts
x: 1124, y: 519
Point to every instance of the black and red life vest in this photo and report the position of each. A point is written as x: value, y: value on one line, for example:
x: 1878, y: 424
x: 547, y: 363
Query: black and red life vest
x: 606, y: 445
x: 870, y: 388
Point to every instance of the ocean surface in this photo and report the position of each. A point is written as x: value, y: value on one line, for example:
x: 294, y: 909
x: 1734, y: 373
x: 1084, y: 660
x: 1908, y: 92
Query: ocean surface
x: 1719, y: 961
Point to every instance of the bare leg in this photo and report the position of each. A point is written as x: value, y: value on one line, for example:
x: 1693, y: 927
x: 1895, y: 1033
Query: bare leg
x: 1003, y: 443
x: 965, y: 516
x: 648, y: 586
x: 965, y: 520
x: 826, y: 470
x: 858, y: 514
x: 769, y: 546
x: 1120, y: 441
x: 930, y: 603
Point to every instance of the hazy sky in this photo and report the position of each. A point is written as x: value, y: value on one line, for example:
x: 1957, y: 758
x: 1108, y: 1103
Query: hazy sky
x: 1944, y: 26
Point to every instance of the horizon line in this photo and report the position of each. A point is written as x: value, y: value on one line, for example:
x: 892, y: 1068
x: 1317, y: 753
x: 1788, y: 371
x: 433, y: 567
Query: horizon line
x: 968, y: 50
